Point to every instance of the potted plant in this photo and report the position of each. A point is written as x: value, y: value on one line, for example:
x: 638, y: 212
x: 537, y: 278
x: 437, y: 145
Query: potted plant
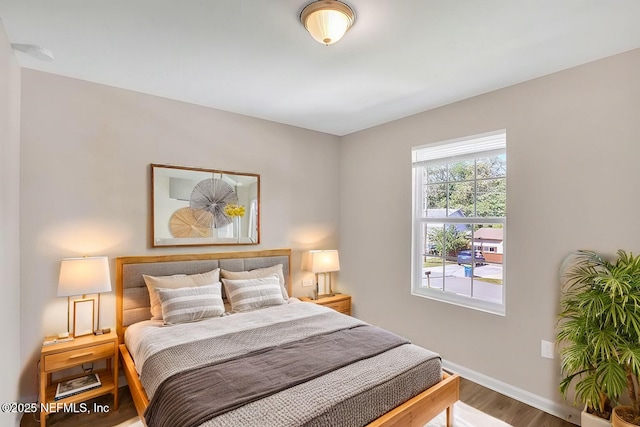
x: 599, y: 329
x: 580, y: 357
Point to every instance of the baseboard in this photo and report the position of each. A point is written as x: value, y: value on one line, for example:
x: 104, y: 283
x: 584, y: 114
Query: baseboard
x: 565, y: 412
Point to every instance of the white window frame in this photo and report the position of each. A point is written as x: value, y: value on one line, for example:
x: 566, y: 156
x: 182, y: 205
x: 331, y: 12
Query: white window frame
x: 451, y: 151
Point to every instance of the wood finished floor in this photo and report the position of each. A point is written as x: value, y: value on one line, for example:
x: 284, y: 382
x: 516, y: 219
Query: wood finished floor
x: 507, y: 409
x: 495, y: 404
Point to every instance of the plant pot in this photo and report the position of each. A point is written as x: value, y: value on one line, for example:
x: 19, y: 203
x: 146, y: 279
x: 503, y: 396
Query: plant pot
x: 617, y: 421
x: 591, y: 420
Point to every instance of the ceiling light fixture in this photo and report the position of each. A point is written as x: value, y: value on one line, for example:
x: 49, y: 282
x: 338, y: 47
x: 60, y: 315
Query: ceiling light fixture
x: 327, y: 20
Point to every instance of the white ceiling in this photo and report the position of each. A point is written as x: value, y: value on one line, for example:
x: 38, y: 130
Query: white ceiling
x: 254, y: 57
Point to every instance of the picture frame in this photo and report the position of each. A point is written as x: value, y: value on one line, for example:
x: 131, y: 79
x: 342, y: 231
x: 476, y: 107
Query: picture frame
x: 83, y: 321
x: 201, y: 207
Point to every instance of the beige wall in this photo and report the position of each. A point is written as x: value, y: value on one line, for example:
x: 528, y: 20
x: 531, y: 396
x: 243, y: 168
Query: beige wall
x: 573, y: 153
x: 10, y: 224
x: 86, y: 150
x: 573, y: 149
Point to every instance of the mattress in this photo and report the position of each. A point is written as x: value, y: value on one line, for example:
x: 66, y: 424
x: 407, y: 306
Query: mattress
x: 351, y: 395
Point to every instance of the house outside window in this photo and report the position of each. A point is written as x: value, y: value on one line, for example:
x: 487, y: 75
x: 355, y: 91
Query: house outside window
x: 459, y: 221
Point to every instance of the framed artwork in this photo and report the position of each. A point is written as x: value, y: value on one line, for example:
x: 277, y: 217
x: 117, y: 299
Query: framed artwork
x: 199, y: 207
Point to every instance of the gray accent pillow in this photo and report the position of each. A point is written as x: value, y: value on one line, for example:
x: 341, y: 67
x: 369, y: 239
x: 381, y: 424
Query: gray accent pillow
x: 190, y: 304
x: 250, y: 294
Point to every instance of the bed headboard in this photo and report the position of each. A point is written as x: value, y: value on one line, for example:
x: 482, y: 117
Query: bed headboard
x: 132, y: 297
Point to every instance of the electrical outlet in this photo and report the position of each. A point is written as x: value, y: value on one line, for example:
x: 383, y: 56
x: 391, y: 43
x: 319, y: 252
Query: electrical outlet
x: 546, y: 349
x: 306, y: 283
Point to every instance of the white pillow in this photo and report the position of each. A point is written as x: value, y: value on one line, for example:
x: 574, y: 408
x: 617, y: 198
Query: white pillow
x: 175, y: 282
x: 258, y: 273
x: 190, y: 304
x: 250, y: 294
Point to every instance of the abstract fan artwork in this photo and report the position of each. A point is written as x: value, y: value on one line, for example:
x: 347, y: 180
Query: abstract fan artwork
x: 201, y: 207
x: 187, y: 222
x: 213, y: 195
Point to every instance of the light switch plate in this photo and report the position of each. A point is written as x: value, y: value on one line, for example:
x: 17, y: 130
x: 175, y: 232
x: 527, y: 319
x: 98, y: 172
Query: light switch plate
x: 546, y: 349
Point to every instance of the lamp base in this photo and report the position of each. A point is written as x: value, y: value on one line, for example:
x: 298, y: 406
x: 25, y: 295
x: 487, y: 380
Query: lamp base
x: 332, y: 294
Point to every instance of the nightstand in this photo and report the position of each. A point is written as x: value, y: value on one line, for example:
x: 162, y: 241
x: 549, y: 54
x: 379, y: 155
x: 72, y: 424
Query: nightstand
x: 61, y: 356
x: 339, y: 302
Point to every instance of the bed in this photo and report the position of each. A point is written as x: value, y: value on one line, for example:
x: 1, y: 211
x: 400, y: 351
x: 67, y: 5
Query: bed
x: 282, y: 363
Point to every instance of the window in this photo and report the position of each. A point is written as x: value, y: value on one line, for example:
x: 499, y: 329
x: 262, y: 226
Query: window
x: 459, y: 221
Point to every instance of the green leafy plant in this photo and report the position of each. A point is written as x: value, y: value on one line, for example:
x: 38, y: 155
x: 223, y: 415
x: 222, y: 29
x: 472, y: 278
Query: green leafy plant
x: 599, y: 330
x: 448, y: 240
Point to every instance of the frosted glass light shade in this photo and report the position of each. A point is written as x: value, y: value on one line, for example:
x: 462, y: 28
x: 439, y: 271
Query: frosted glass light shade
x: 327, y: 21
x: 80, y: 276
x: 323, y: 261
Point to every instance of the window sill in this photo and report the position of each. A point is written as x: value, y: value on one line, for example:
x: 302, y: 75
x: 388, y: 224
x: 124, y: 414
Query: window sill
x: 460, y: 300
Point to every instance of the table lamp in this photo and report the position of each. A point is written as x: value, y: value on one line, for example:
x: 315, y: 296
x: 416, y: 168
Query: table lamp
x: 83, y: 276
x: 324, y: 262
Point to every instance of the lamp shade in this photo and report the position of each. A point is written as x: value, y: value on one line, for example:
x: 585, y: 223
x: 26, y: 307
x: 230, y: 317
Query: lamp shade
x: 323, y: 261
x: 79, y: 276
x: 327, y: 21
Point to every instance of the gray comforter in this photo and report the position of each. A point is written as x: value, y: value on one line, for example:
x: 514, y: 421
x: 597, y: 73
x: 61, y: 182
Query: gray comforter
x: 192, y: 397
x: 165, y: 352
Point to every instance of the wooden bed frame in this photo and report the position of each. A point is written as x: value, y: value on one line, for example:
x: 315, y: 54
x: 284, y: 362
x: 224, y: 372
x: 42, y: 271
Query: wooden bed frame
x: 416, y: 412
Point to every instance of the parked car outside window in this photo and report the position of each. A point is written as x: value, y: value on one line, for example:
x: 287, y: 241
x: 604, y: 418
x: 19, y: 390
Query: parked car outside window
x: 464, y: 257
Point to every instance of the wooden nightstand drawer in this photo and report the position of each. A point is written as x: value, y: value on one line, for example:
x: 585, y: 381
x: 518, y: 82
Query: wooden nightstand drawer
x: 66, y: 359
x: 343, y: 306
x: 339, y: 302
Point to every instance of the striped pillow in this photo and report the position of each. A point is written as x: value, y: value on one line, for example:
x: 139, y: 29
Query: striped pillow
x: 249, y: 294
x: 190, y: 304
x: 258, y: 273
x: 174, y: 282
